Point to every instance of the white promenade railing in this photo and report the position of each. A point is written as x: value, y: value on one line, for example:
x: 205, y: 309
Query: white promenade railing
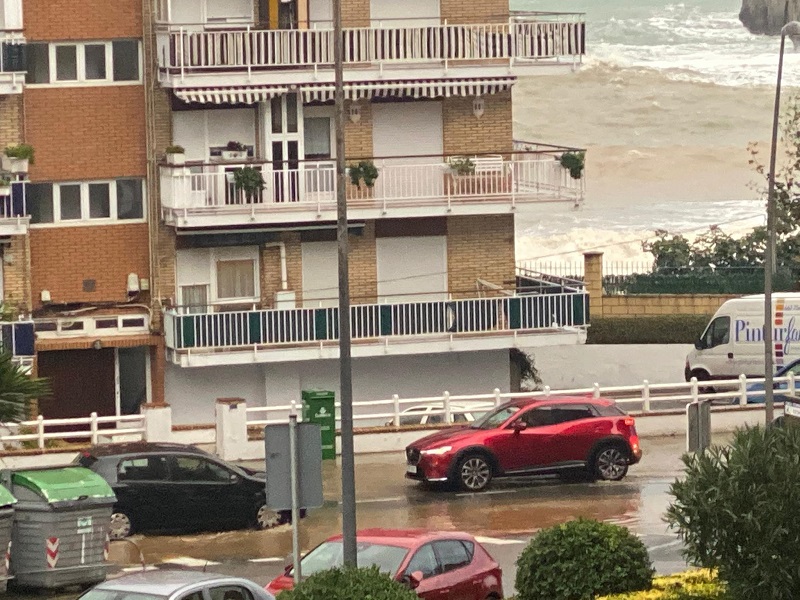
x: 645, y: 399
x: 93, y: 429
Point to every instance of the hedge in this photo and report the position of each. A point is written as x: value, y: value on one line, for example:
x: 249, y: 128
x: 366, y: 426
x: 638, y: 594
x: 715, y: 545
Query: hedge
x: 658, y: 329
x: 698, y: 584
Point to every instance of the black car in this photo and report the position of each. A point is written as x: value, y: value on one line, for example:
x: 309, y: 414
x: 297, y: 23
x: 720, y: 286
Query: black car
x: 179, y: 488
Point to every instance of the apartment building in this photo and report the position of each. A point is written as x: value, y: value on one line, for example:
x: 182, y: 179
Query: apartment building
x: 175, y: 238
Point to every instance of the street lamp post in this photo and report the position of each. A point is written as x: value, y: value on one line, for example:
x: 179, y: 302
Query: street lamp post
x: 792, y: 30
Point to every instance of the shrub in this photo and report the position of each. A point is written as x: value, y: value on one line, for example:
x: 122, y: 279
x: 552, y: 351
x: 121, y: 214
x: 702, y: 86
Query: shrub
x: 175, y: 149
x: 735, y: 510
x: 660, y: 329
x: 698, y: 584
x: 573, y: 162
x: 234, y: 146
x: 346, y: 583
x: 581, y: 559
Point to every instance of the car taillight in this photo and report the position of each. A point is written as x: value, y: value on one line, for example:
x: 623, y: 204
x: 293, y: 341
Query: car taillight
x: 629, y: 421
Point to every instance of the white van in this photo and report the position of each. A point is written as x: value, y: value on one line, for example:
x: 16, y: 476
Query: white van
x: 733, y: 342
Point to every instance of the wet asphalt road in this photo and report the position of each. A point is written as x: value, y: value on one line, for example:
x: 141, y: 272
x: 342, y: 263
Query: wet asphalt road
x: 504, y: 518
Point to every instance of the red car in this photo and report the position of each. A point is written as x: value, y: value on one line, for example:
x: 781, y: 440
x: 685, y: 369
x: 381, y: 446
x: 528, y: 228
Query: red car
x: 437, y: 565
x: 571, y: 436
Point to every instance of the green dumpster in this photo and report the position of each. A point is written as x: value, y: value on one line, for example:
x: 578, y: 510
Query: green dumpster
x: 320, y: 407
x: 60, y: 528
x: 7, y: 502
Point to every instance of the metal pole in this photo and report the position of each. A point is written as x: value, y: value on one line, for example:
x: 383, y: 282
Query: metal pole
x: 293, y: 466
x: 345, y: 363
x: 769, y: 254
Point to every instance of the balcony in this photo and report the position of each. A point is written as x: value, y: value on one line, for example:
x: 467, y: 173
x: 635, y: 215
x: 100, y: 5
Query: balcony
x: 14, y: 219
x: 202, y: 56
x: 17, y: 337
x: 277, y: 335
x: 12, y: 60
x: 198, y: 195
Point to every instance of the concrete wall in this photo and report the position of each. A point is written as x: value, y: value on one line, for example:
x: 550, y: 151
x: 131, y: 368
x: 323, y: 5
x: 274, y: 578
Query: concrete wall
x: 566, y: 367
x: 192, y: 392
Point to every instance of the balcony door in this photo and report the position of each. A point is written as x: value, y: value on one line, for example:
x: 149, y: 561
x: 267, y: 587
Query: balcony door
x: 407, y: 141
x: 282, y: 133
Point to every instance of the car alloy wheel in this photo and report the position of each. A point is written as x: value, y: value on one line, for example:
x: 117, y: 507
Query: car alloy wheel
x: 267, y: 518
x: 121, y: 526
x: 611, y: 464
x: 475, y: 473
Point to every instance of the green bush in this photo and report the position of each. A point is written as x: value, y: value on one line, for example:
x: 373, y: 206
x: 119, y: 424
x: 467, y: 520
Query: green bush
x: 659, y: 329
x: 581, y: 559
x: 698, y: 584
x: 736, y: 511
x: 346, y: 583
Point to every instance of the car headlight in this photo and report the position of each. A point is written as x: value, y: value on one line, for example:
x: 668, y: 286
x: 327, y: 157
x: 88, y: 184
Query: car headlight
x: 439, y: 450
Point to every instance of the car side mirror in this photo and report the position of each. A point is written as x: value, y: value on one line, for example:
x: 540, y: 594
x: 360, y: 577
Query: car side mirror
x: 518, y: 426
x: 414, y: 579
x: 698, y: 344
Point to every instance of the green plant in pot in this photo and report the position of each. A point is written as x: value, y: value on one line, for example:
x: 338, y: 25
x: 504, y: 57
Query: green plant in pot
x: 249, y: 181
x: 5, y: 186
x: 365, y: 171
x: 234, y: 151
x: 461, y: 165
x: 574, y: 163
x: 17, y: 158
x: 176, y: 155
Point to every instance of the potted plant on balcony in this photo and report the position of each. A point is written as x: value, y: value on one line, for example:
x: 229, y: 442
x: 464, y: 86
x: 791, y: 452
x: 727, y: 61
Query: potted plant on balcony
x: 17, y: 158
x: 176, y: 155
x: 5, y: 186
x: 574, y: 163
x: 461, y: 165
x: 234, y: 151
x: 365, y: 171
x: 249, y: 181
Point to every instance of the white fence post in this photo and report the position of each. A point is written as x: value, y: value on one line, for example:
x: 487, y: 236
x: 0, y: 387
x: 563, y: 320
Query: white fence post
x: 40, y: 431
x: 694, y: 389
x: 396, y: 402
x: 790, y: 384
x: 231, y: 424
x: 743, y: 390
x: 646, y: 396
x: 596, y: 392
x: 497, y: 398
x: 547, y: 391
x: 447, y: 416
x: 93, y: 427
x: 157, y: 422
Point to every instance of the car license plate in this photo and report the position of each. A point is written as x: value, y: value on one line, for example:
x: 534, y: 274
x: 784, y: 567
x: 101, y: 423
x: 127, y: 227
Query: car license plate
x: 411, y: 469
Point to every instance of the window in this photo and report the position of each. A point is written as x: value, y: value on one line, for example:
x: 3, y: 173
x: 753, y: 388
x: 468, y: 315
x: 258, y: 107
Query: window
x: 193, y: 596
x: 85, y: 202
x: 230, y: 592
x: 718, y: 332
x: 150, y: 468
x: 194, y: 298
x: 86, y: 62
x: 317, y: 137
x: 236, y: 279
x: 452, y: 555
x: 191, y: 468
x: 425, y: 561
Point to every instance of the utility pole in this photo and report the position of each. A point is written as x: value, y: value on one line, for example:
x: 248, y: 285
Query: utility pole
x: 345, y: 361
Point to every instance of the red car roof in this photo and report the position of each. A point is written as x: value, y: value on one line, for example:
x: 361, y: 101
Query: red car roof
x: 404, y: 538
x: 561, y: 400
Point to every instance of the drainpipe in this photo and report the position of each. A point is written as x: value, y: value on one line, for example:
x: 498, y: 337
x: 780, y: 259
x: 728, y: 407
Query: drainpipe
x: 284, y: 273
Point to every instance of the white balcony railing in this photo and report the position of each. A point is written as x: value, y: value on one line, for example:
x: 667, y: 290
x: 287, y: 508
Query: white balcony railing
x: 380, y: 322
x: 310, y: 187
x: 523, y: 37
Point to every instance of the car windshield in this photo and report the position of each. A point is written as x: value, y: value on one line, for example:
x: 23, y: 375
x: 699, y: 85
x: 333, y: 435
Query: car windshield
x: 118, y: 595
x: 496, y: 417
x: 329, y: 555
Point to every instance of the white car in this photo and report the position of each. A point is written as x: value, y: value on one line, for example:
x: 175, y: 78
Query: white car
x: 433, y: 413
x: 177, y: 585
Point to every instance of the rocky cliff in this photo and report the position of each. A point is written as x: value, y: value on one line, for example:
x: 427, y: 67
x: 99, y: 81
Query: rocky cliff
x: 766, y: 16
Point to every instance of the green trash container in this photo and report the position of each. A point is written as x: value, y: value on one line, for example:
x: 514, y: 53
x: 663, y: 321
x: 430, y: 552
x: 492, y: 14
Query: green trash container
x: 60, y: 527
x: 7, y: 502
x: 320, y: 407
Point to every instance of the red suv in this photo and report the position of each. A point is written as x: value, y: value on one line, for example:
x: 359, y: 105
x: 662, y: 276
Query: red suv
x: 571, y: 436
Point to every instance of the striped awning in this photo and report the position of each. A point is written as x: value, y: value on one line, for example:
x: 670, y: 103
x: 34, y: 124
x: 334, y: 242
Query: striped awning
x: 323, y: 92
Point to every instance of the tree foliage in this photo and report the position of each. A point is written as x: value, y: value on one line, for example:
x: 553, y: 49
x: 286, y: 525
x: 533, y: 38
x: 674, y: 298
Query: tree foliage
x: 736, y: 511
x: 17, y: 390
x: 715, y: 248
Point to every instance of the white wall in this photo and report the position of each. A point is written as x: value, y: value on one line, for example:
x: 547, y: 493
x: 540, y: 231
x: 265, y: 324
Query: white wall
x: 566, y: 367
x: 192, y: 391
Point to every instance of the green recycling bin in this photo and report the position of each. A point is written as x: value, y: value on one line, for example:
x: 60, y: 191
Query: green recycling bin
x: 320, y: 407
x: 60, y: 529
x: 7, y: 502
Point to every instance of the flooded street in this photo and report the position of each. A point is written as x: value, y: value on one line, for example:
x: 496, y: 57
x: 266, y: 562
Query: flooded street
x: 503, y: 518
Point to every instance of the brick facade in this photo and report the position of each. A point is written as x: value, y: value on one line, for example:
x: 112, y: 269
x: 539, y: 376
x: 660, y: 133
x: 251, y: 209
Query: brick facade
x: 11, y: 126
x: 63, y: 20
x: 493, y: 11
x: 84, y: 133
x: 63, y: 257
x: 464, y: 133
x: 480, y: 247
x: 16, y: 273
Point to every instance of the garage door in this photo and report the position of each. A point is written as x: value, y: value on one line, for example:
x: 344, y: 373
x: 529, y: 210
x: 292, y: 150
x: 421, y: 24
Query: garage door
x: 396, y: 14
x: 411, y: 130
x: 412, y: 269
